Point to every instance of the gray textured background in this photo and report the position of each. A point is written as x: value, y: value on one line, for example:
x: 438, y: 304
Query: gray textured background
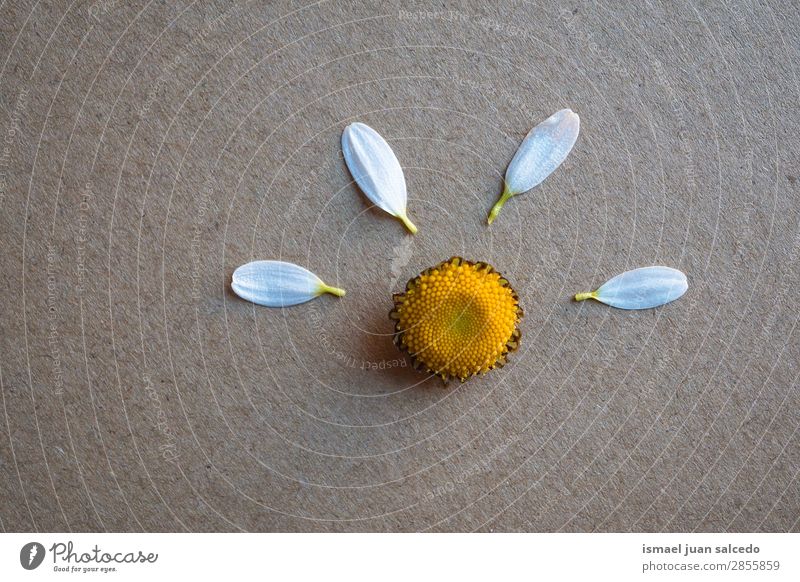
x: 149, y: 148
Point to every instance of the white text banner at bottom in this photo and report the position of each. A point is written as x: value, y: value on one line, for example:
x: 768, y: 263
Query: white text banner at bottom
x: 331, y: 557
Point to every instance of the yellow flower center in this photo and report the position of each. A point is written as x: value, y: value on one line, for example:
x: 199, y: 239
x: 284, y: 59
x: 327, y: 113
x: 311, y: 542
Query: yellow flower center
x: 458, y: 318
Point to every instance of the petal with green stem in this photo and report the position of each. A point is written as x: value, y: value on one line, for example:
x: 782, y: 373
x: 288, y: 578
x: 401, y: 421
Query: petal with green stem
x: 544, y: 149
x: 376, y: 170
x: 642, y: 288
x: 278, y: 284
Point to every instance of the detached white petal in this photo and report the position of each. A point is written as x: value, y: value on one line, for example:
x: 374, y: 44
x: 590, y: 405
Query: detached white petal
x: 278, y: 284
x: 541, y: 152
x: 641, y: 288
x: 376, y: 170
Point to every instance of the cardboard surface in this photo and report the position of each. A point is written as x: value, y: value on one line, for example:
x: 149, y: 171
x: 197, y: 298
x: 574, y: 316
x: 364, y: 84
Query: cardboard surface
x: 150, y: 149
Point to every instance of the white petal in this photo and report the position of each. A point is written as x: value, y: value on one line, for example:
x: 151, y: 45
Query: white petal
x: 278, y: 284
x: 376, y: 170
x: 641, y: 288
x: 542, y: 151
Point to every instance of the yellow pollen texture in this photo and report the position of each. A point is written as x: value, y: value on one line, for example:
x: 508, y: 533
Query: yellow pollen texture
x: 458, y: 318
